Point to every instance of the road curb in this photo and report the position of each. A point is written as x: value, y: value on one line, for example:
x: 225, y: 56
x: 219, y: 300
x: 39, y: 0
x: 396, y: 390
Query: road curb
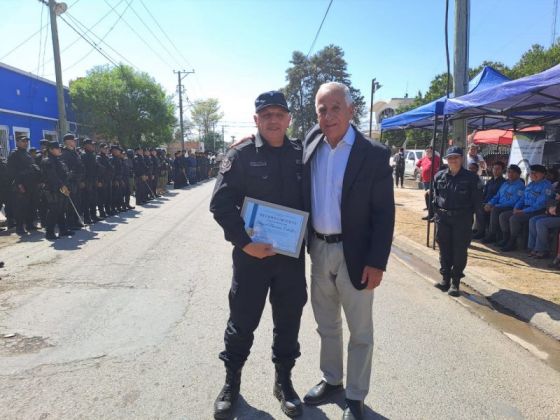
x: 540, y: 313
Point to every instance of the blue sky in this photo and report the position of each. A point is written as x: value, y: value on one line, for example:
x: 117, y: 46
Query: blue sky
x: 240, y: 48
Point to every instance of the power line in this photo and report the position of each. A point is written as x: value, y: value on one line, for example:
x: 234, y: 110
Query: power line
x: 319, y: 30
x: 30, y: 37
x: 165, y: 33
x: 88, y: 41
x: 40, y: 41
x: 102, y: 39
x: 140, y: 37
x: 45, y: 47
x: 155, y: 36
x: 90, y: 29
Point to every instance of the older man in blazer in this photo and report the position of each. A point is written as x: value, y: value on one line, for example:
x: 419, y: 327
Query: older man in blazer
x: 348, y: 191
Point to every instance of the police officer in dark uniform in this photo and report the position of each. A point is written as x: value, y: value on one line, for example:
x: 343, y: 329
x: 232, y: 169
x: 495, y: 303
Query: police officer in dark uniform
x: 91, y: 180
x: 140, y: 176
x: 156, y: 171
x: 457, y: 195
x: 128, y: 177
x: 5, y: 182
x: 26, y: 176
x: 56, y: 176
x: 106, y: 178
x: 117, y: 188
x: 149, y: 173
x: 42, y: 200
x: 268, y: 168
x: 73, y: 162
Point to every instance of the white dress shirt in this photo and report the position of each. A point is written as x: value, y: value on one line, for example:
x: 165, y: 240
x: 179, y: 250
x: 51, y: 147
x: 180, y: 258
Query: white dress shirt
x: 327, y: 173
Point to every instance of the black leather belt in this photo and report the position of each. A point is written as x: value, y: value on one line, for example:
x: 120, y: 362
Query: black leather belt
x: 330, y: 239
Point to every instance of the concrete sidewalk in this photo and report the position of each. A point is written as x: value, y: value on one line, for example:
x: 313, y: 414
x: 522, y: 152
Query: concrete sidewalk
x: 508, y: 280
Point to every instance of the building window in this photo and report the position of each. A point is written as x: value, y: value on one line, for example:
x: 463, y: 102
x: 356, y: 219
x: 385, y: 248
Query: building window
x: 50, y: 135
x: 4, y: 144
x: 21, y: 131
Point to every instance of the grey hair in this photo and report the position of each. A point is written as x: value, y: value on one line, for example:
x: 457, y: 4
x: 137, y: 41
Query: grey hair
x: 336, y: 86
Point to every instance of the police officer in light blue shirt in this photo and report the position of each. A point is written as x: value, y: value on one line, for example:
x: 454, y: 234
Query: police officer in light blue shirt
x: 531, y: 204
x: 508, y: 195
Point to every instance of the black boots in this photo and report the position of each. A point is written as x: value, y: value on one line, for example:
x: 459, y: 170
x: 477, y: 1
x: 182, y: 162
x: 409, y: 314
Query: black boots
x: 454, y: 289
x: 223, y: 406
x: 444, y: 284
x: 449, y: 286
x: 285, y: 393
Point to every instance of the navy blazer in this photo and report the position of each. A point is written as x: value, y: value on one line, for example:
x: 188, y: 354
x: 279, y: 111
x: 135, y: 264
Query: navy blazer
x: 367, y: 207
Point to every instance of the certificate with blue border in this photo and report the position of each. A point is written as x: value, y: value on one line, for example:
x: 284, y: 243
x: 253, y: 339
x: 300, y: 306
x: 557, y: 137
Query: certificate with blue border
x: 280, y: 226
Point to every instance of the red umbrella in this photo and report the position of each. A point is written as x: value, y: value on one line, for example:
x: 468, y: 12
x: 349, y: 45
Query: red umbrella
x: 500, y: 137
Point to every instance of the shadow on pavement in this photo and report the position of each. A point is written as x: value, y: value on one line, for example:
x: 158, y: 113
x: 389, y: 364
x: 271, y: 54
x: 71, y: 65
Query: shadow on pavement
x: 244, y: 410
x: 74, y: 242
x: 529, y: 309
x: 315, y: 411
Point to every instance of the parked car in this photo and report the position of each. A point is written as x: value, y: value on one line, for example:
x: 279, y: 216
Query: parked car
x: 411, y: 157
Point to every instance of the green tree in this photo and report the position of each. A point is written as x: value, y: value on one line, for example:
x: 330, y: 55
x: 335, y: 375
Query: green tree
x: 537, y: 59
x: 304, y: 78
x: 213, y: 142
x: 124, y: 105
x: 205, y: 114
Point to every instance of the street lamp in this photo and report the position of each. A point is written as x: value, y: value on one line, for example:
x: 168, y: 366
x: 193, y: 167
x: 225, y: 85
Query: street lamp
x: 374, y: 86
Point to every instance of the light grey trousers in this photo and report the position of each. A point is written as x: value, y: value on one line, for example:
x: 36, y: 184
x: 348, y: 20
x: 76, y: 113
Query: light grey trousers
x: 332, y: 289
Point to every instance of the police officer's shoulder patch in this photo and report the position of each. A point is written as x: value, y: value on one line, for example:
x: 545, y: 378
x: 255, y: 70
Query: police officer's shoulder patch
x: 225, y: 165
x: 227, y: 161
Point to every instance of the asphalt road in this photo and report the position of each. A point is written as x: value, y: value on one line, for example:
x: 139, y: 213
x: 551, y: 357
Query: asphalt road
x: 126, y: 321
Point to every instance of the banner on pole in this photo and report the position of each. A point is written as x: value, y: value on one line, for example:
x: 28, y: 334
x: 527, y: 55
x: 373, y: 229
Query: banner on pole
x: 526, y: 150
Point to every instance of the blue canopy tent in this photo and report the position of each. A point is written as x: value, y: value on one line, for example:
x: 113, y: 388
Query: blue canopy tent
x: 528, y: 101
x: 423, y: 116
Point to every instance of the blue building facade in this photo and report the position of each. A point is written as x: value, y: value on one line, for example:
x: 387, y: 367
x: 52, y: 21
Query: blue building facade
x: 28, y: 105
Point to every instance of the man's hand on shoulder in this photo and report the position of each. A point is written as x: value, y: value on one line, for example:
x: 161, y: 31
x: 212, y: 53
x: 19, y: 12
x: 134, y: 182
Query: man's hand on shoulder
x: 259, y: 250
x: 242, y: 141
x: 372, y: 277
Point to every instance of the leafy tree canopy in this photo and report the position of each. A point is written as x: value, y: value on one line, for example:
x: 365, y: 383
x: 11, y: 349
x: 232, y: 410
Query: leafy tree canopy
x: 305, y: 76
x: 123, y: 105
x: 535, y: 60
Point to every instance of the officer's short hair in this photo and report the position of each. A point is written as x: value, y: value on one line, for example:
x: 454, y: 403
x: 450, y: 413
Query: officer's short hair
x: 500, y: 164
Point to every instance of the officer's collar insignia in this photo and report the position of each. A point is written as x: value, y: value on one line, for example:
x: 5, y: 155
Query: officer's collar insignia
x: 225, y: 165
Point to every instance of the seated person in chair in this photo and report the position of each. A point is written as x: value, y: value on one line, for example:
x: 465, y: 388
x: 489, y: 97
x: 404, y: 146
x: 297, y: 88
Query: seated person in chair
x: 533, y: 203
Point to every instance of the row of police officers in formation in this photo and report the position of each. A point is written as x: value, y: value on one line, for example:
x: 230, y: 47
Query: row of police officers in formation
x: 68, y: 187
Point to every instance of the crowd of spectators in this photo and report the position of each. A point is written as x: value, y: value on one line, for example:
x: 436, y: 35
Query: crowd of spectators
x: 512, y: 214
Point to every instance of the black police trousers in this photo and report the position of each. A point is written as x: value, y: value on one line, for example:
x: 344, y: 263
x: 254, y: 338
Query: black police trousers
x: 284, y: 279
x: 89, y: 200
x: 24, y: 207
x: 141, y: 190
x: 56, y: 203
x: 399, y: 175
x: 76, y: 196
x: 453, y: 236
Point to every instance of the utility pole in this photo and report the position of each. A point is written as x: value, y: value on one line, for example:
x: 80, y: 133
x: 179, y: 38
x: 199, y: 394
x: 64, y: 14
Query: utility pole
x: 223, y: 139
x: 181, y: 74
x: 461, y: 66
x: 56, y: 9
x: 374, y: 86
